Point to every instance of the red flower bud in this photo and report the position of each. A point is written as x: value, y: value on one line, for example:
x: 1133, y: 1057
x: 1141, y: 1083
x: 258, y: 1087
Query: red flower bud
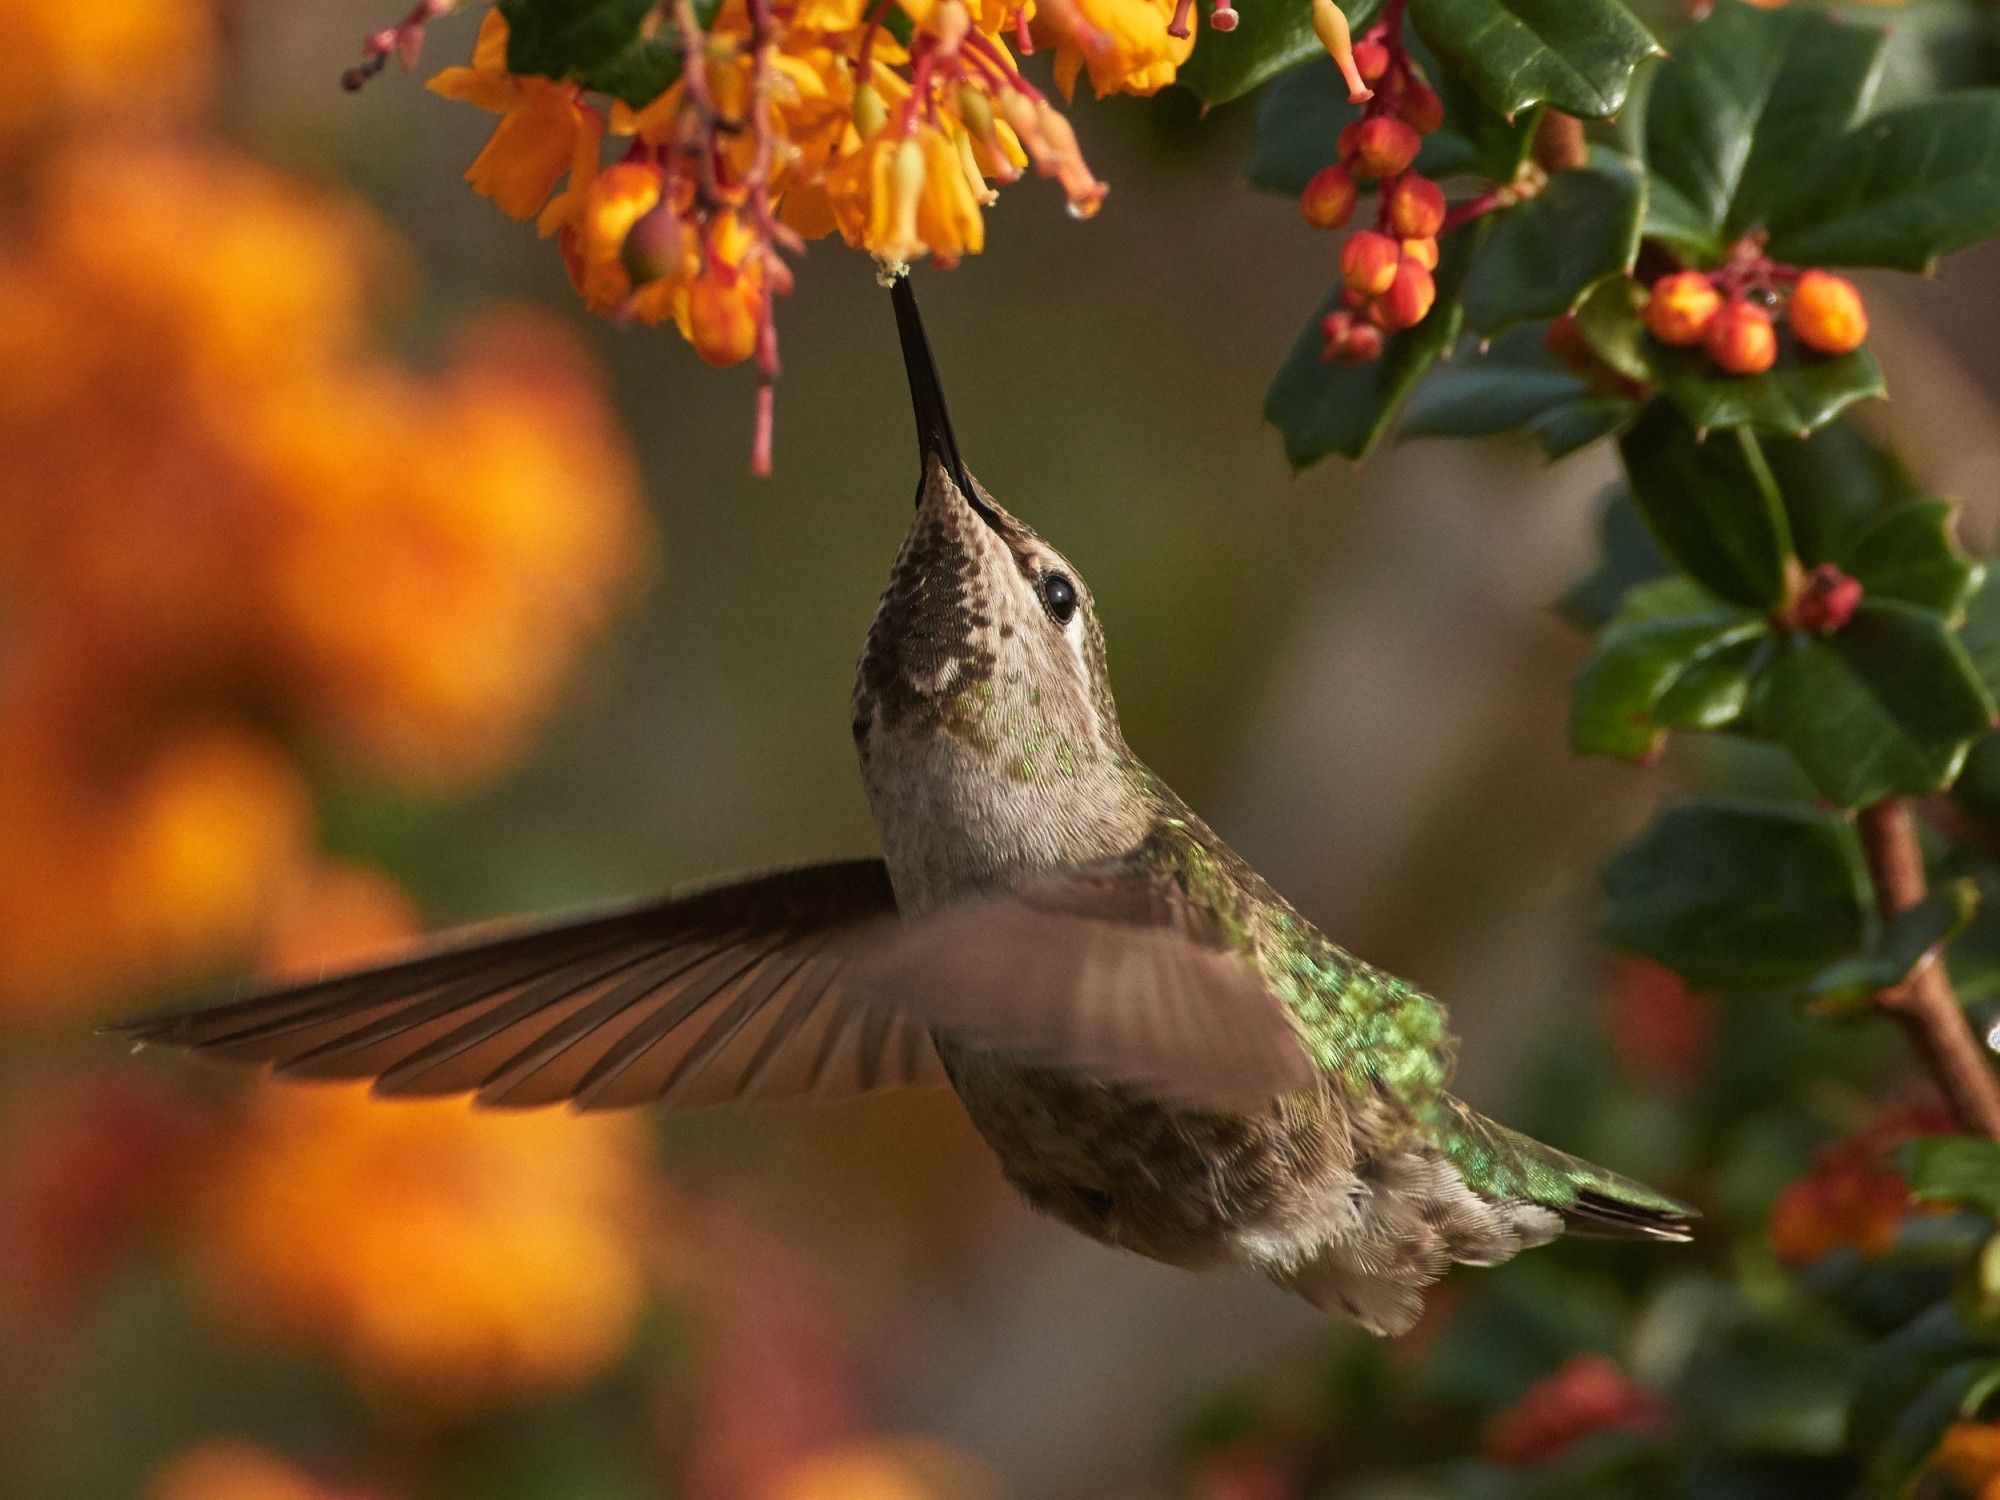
x: 1681, y: 307
x: 1347, y: 340
x: 1368, y: 262
x: 1371, y: 60
x: 1328, y: 201
x: 1424, y: 252
x: 1741, y: 339
x: 1414, y: 207
x: 1408, y: 300
x: 1827, y: 601
x: 1421, y: 107
x: 1383, y: 147
x: 1827, y: 315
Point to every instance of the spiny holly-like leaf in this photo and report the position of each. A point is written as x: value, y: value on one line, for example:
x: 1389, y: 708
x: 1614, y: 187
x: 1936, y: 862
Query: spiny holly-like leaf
x: 1671, y: 644
x: 1711, y: 505
x: 1514, y: 384
x: 1906, y: 552
x: 1749, y: 96
x: 1835, y: 482
x: 1907, y: 941
x: 1898, y: 190
x: 1573, y: 55
x: 1326, y: 408
x: 1886, y: 706
x: 1740, y: 896
x: 1801, y: 392
x: 1268, y: 39
x: 1544, y: 254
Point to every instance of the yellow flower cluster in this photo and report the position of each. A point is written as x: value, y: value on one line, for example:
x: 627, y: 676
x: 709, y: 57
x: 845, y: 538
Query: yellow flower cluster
x: 792, y: 120
x: 452, y: 1256
x: 227, y: 523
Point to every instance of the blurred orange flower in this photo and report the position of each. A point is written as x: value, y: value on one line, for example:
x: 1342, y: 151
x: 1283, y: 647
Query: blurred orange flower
x: 225, y: 1470
x: 449, y: 1255
x: 1968, y: 1459
x: 221, y: 507
x: 131, y: 57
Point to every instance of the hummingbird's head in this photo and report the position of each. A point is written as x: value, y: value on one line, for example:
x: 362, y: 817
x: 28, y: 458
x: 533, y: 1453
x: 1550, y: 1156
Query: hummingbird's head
x: 983, y: 685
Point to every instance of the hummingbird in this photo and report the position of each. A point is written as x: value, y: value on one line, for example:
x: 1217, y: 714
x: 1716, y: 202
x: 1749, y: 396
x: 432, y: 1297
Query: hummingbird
x: 1160, y: 1050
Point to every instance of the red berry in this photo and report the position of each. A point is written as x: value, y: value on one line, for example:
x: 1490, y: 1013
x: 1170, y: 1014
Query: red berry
x: 1383, y: 147
x: 1328, y: 201
x: 1828, y: 600
x: 1421, y: 107
x: 1741, y: 340
x: 1368, y: 262
x: 1681, y: 308
x: 1414, y: 207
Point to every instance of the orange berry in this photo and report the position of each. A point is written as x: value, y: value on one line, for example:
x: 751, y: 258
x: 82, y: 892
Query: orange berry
x: 722, y: 317
x: 1424, y: 252
x: 1383, y: 147
x: 1368, y: 262
x: 1421, y: 107
x: 1371, y: 61
x: 1681, y: 308
x: 1414, y: 208
x: 1741, y: 340
x: 1408, y: 300
x: 1328, y: 200
x: 1827, y: 314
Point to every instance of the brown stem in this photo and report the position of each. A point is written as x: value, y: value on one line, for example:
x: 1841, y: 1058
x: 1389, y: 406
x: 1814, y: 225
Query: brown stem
x: 1925, y: 1005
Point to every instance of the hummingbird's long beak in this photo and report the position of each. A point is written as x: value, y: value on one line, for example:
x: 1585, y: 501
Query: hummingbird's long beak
x: 934, y: 435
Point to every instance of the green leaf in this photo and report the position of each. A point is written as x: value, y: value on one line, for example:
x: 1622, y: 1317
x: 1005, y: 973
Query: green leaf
x: 1544, y: 254
x: 1910, y: 1387
x: 1955, y: 1169
x: 1711, y: 506
x: 1748, y: 97
x: 1835, y: 482
x: 1801, y: 392
x: 1513, y: 384
x: 1574, y: 55
x: 1562, y: 430
x: 1663, y: 645
x: 1739, y: 896
x: 1609, y: 318
x: 1908, y: 553
x: 1981, y: 633
x: 1907, y: 940
x: 569, y: 38
x: 1899, y: 190
x: 1886, y: 706
x: 1326, y: 408
x: 1269, y: 38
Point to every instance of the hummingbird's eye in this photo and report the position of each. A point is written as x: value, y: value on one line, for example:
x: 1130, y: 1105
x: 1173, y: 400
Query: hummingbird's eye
x: 1058, y: 596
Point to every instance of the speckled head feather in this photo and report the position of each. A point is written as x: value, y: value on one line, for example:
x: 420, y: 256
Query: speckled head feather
x: 983, y: 713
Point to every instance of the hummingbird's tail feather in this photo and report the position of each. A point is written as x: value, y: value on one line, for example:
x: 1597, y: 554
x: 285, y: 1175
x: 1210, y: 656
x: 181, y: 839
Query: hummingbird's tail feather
x: 1504, y: 1164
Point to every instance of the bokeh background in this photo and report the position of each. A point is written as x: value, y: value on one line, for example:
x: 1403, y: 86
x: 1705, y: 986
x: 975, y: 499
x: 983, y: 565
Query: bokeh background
x: 353, y: 582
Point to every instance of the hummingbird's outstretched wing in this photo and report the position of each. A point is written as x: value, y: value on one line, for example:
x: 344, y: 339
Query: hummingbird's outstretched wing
x: 734, y: 991
x: 1110, y: 972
